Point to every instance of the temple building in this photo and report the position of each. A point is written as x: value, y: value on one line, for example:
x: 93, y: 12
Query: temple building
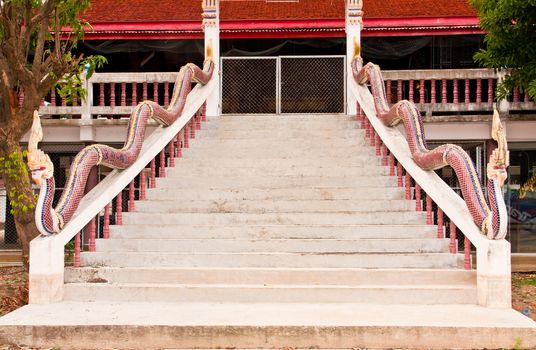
x: 407, y: 34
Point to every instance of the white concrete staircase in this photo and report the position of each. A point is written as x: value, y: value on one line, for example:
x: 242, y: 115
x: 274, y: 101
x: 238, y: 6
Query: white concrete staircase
x: 272, y: 231
x: 275, y: 209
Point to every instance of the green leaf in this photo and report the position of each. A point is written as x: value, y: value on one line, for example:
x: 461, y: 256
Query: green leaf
x: 510, y: 37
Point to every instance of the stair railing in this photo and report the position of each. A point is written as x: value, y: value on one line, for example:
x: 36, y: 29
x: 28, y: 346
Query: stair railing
x: 47, y: 253
x: 492, y: 256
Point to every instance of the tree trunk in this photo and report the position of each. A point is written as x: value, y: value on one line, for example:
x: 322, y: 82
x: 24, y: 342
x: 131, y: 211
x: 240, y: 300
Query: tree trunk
x: 26, y: 232
x: 20, y: 193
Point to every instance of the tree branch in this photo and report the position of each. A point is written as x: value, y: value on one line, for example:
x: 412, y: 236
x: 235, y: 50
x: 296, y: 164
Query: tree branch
x: 42, y: 19
x: 57, y: 29
x: 44, y: 13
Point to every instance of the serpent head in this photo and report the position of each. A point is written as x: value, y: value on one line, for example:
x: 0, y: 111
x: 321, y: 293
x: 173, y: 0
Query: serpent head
x: 497, y: 172
x: 42, y: 169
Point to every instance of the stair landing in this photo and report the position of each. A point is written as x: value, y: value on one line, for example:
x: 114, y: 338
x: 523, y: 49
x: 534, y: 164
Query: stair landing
x: 265, y: 325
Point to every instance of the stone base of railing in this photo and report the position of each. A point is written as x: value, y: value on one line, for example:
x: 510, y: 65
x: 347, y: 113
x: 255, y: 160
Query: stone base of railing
x: 46, y: 271
x: 494, y: 283
x: 494, y: 291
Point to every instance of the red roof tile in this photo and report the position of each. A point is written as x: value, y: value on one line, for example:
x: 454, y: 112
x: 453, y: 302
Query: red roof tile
x: 236, y: 10
x: 143, y: 10
x: 417, y: 8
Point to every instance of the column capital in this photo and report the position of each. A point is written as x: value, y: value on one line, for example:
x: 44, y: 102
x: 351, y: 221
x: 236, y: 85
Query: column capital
x: 211, y: 28
x: 210, y: 13
x: 354, y: 12
x: 354, y: 24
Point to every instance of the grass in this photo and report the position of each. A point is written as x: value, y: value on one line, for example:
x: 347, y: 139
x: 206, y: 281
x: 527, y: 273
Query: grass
x: 530, y: 281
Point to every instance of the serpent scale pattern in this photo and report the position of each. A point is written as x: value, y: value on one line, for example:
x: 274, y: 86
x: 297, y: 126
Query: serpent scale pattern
x: 490, y: 215
x: 51, y: 220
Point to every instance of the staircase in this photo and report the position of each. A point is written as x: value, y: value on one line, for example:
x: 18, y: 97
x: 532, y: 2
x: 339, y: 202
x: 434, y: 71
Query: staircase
x: 275, y: 209
x: 273, y: 231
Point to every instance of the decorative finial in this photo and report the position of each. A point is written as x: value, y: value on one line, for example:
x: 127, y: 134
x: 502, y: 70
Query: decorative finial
x: 357, y: 48
x: 39, y: 163
x: 500, y: 157
x: 498, y: 134
x: 208, y: 53
x: 36, y: 133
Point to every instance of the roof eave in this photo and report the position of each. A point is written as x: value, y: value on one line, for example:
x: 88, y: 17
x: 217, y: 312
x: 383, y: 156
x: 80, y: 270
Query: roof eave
x: 285, y: 28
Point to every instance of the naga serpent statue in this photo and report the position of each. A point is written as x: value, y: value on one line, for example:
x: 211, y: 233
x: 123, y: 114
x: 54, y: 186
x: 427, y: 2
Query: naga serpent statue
x: 52, y: 220
x: 490, y: 215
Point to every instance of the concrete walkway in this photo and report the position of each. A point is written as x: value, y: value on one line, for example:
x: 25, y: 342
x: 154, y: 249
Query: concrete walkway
x: 266, y: 325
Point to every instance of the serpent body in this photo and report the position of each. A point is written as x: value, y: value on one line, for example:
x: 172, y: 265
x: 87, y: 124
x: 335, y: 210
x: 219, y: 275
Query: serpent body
x: 490, y: 215
x: 51, y: 220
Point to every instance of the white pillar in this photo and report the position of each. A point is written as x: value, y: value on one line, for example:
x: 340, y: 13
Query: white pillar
x: 354, y: 23
x: 211, y: 27
x: 494, y: 274
x: 87, y: 132
x: 47, y: 268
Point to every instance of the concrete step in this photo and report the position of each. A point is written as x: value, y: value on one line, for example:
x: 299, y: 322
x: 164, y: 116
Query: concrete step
x: 264, y: 259
x: 349, y: 218
x: 271, y: 162
x: 251, y: 231
x: 335, y: 124
x: 304, y: 142
x: 200, y: 169
x: 152, y: 325
x: 272, y: 206
x: 276, y: 134
x: 278, y: 146
x: 335, y: 193
x: 268, y: 276
x: 10, y: 257
x: 273, y: 118
x: 222, y: 293
x: 281, y: 121
x: 233, y: 245
x: 314, y: 127
x: 269, y: 182
x: 271, y: 152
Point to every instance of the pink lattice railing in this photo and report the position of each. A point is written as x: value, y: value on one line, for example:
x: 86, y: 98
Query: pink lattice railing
x: 115, y: 93
x: 440, y: 91
x: 456, y: 90
x: 126, y: 198
x: 413, y: 190
x: 111, y: 95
